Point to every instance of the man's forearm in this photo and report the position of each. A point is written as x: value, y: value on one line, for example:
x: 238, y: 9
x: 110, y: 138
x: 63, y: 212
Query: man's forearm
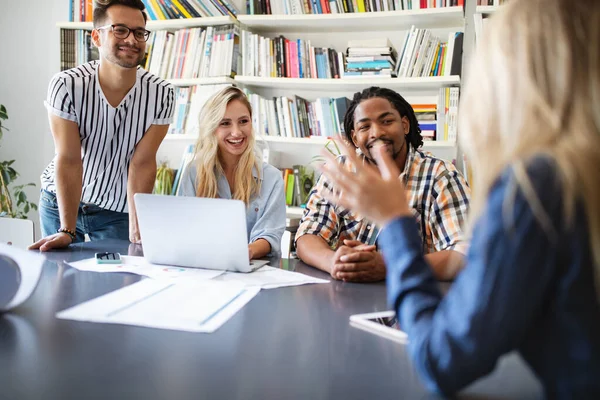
x: 140, y: 179
x: 315, y: 251
x: 446, y: 264
x: 69, y: 175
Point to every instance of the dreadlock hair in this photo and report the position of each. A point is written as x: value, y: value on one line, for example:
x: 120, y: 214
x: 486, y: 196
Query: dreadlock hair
x: 413, y: 137
x: 101, y: 6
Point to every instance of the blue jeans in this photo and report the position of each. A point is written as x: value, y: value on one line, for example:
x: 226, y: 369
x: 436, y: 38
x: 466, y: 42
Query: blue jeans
x: 92, y: 220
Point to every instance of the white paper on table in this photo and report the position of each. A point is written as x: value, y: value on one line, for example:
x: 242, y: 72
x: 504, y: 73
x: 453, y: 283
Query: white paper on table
x: 30, y: 267
x: 139, y: 266
x: 269, y: 278
x: 193, y: 307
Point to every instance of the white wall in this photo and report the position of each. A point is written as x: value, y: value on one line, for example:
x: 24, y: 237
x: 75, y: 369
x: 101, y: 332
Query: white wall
x: 29, y: 56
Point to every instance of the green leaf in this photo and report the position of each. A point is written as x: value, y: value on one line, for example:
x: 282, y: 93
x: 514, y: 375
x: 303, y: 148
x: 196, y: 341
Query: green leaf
x: 21, y: 197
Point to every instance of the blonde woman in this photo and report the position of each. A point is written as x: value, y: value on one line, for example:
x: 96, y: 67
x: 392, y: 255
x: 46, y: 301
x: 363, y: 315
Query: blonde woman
x: 225, y: 166
x: 530, y: 124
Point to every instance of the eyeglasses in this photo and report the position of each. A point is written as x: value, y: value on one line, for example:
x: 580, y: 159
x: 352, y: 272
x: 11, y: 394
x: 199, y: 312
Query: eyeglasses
x: 122, y: 32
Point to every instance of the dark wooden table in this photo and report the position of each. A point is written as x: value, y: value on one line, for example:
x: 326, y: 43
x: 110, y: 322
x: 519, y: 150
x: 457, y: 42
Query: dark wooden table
x: 287, y: 343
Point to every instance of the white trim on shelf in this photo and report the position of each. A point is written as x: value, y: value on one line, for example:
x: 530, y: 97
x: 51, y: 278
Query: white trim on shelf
x: 162, y: 24
x: 444, y: 17
x: 486, y: 9
x: 201, y: 81
x: 318, y: 140
x: 432, y: 82
x: 442, y: 143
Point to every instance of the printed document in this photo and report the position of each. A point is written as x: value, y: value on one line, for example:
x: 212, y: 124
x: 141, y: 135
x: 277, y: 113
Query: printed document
x: 164, y: 304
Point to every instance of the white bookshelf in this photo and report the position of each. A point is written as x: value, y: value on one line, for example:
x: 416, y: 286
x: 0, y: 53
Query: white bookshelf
x: 327, y: 30
x: 486, y: 9
x: 349, y: 84
x: 373, y: 21
x: 168, y: 24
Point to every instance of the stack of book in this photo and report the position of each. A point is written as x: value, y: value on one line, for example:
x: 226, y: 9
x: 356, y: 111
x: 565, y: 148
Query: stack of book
x: 427, y: 118
x: 373, y: 58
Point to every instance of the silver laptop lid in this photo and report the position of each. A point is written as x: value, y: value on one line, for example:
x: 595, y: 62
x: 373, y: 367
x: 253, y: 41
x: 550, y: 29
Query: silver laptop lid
x: 193, y: 231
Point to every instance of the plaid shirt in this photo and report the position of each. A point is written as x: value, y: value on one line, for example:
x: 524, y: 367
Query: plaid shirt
x: 437, y: 194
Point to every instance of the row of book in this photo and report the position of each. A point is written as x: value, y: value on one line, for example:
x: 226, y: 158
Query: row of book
x: 194, y: 53
x: 282, y: 57
x: 298, y: 117
x: 82, y: 10
x: 278, y: 7
x: 76, y: 48
x: 174, y: 9
x: 423, y: 54
x: 188, y: 104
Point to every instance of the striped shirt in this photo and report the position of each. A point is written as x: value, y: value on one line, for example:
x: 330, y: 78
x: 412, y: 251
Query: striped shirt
x: 437, y: 194
x: 108, y: 134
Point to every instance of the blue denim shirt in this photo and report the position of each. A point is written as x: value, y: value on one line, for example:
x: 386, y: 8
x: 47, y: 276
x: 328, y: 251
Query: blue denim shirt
x: 266, y: 214
x: 523, y: 288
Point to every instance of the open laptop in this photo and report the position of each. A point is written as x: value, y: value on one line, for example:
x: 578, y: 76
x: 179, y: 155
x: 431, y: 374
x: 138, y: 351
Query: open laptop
x: 194, y: 232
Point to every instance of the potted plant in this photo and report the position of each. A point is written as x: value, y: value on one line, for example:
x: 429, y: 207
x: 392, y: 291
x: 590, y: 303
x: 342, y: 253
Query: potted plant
x: 13, y: 203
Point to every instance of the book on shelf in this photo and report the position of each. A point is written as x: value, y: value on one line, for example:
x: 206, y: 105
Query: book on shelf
x: 423, y: 54
x: 194, y: 52
x: 298, y: 117
x: 189, y: 103
x: 288, y: 58
x: 298, y: 182
x: 76, y: 48
x: 295, y: 7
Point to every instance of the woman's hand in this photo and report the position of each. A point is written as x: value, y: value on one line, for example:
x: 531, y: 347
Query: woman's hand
x: 376, y: 193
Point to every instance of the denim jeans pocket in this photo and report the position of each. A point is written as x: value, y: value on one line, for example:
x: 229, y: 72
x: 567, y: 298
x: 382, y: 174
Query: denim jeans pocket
x: 48, y: 200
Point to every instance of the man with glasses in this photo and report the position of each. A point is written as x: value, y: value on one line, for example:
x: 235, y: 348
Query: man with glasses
x: 108, y: 118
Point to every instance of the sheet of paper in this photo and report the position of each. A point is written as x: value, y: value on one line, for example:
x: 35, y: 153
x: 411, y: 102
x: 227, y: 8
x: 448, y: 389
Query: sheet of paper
x: 30, y: 268
x: 192, y: 307
x: 268, y: 278
x: 139, y: 266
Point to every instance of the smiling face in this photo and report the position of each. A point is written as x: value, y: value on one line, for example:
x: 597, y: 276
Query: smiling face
x: 378, y: 123
x: 235, y: 129
x: 128, y: 52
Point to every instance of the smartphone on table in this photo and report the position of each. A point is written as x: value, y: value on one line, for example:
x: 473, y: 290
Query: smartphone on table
x: 383, y: 323
x: 108, y: 258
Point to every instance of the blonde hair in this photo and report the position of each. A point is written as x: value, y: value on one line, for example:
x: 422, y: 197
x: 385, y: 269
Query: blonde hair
x: 206, y: 155
x: 534, y: 88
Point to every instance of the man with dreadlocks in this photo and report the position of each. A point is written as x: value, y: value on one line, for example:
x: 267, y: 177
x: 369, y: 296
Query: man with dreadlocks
x: 343, y: 243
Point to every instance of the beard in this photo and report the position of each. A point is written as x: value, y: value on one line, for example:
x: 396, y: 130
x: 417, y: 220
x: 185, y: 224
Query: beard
x: 392, y: 151
x: 123, y: 60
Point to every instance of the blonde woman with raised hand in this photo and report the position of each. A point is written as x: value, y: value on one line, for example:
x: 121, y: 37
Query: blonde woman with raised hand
x: 225, y: 166
x: 530, y: 124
